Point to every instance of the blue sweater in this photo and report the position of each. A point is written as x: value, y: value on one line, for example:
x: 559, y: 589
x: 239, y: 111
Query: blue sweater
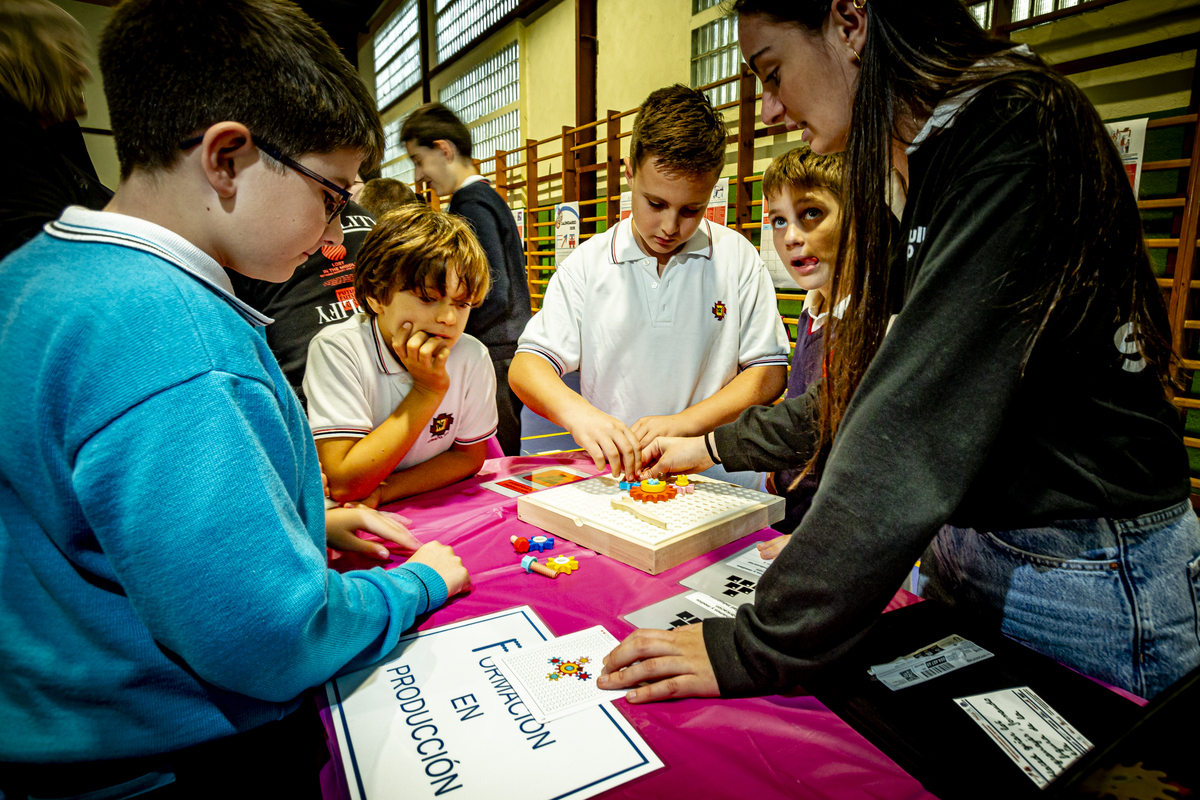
x: 162, y: 540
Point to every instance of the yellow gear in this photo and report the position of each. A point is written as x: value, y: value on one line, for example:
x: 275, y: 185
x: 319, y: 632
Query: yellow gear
x: 566, y: 564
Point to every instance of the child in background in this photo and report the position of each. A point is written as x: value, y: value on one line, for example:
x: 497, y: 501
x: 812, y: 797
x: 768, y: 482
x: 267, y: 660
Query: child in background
x: 166, y: 601
x: 670, y: 319
x: 803, y: 191
x: 400, y: 400
x: 381, y: 195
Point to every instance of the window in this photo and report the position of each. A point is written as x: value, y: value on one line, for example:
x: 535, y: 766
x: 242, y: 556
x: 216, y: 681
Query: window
x: 457, y: 22
x: 397, y: 55
x: 1024, y: 9
x: 499, y: 133
x: 489, y: 87
x: 396, y: 163
x: 702, y: 5
x: 715, y: 55
x: 982, y: 12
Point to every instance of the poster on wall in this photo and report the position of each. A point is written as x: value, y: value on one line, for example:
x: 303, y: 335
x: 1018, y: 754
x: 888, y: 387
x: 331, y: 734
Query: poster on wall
x: 566, y: 231
x: 626, y: 205
x: 1130, y: 138
x: 718, y: 203
x: 781, y: 276
x: 519, y: 218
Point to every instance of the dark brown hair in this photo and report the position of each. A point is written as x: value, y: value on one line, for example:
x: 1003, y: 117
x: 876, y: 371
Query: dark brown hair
x: 915, y: 56
x: 172, y: 69
x: 433, y: 121
x: 679, y: 127
x: 412, y: 248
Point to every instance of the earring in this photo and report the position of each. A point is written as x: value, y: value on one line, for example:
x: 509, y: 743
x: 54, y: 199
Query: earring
x: 853, y: 52
x: 860, y: 7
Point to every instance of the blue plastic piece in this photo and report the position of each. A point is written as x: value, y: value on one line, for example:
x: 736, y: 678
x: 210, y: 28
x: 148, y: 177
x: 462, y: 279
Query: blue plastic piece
x: 541, y: 543
x: 527, y: 562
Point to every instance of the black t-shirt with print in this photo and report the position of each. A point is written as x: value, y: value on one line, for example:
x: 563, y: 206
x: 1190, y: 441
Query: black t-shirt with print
x: 319, y: 293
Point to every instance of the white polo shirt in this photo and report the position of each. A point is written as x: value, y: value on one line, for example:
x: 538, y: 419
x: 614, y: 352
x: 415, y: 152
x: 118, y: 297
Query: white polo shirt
x: 354, y: 382
x: 645, y: 344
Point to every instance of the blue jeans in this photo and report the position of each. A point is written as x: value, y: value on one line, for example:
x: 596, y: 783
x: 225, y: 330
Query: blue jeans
x: 1116, y: 599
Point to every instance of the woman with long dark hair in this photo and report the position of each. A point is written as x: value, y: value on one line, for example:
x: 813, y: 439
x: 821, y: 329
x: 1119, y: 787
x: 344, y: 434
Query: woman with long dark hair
x: 997, y: 397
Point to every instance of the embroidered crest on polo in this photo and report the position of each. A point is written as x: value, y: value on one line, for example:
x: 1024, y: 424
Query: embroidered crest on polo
x: 719, y: 310
x: 439, y: 426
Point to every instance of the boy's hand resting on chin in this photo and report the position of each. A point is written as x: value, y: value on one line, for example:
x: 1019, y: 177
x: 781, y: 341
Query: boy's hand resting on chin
x: 424, y: 355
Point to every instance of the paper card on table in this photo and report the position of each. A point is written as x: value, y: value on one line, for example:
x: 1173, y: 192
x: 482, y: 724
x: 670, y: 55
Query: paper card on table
x: 438, y: 716
x: 1031, y: 733
x: 732, y: 580
x: 535, y: 480
x: 682, y: 609
x: 558, y: 678
x: 940, y: 658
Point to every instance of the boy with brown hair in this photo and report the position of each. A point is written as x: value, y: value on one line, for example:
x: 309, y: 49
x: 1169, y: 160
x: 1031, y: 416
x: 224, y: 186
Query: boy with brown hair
x: 670, y: 319
x: 162, y: 526
x: 381, y: 195
x: 400, y: 400
x: 440, y: 147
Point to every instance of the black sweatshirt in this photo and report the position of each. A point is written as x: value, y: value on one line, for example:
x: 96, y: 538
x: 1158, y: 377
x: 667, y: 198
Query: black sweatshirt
x: 499, y: 321
x: 943, y: 428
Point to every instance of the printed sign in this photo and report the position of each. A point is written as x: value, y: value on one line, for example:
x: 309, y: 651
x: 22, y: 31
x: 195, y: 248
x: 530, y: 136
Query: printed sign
x: 1130, y: 138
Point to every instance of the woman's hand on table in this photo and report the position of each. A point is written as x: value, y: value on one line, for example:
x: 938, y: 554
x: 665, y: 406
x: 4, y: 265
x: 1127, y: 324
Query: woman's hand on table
x: 441, y: 559
x: 674, y: 454
x: 342, y: 526
x: 671, y: 663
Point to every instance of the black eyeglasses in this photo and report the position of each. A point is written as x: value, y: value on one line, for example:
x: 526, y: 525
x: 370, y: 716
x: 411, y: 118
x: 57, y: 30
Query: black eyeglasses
x: 333, y: 205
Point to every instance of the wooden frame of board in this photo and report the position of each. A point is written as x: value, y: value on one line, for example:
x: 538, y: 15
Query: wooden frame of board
x: 651, y: 558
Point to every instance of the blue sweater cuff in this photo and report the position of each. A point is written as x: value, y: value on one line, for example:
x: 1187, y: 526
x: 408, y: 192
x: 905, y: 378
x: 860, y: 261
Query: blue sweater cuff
x: 430, y: 585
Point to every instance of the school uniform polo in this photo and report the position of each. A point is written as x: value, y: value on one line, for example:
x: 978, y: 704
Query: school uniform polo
x: 646, y: 344
x: 354, y: 382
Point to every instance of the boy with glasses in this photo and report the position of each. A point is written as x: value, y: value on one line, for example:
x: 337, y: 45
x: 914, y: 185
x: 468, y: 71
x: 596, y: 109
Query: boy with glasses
x: 162, y: 523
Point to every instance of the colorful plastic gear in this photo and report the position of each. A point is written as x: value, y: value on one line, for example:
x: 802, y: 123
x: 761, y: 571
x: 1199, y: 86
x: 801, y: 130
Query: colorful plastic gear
x: 667, y: 492
x: 541, y: 543
x: 568, y: 669
x: 566, y: 564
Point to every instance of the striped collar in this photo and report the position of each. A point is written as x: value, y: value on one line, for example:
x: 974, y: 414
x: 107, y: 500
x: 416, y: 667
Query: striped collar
x: 624, y: 247
x: 79, y: 224
x: 385, y: 359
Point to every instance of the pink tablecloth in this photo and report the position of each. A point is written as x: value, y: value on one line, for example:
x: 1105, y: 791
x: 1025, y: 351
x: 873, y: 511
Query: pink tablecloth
x: 767, y: 747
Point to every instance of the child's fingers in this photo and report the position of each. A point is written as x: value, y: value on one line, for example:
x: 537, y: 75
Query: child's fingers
x: 348, y: 542
x: 384, y: 528
x: 403, y: 520
x: 771, y: 549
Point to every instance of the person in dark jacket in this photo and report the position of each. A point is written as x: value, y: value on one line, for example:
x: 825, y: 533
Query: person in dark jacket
x: 41, y: 95
x: 1054, y: 508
